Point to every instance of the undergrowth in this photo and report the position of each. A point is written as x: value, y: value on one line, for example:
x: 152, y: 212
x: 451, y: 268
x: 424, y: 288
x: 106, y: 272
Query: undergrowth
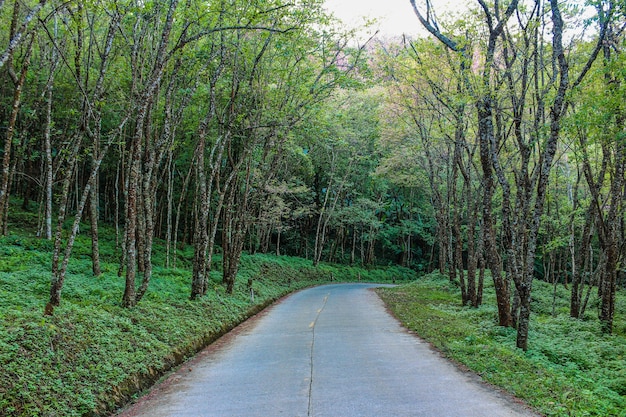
x: 570, y: 369
x: 93, y: 355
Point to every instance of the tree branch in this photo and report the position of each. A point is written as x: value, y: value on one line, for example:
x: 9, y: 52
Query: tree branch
x: 17, y: 39
x: 431, y: 26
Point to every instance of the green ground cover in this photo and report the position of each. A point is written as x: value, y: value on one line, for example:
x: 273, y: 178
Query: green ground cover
x: 570, y: 369
x: 93, y: 355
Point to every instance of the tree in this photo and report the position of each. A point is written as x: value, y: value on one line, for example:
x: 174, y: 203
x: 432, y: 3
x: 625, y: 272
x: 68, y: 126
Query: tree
x: 91, y: 113
x: 602, y: 129
x: 509, y: 58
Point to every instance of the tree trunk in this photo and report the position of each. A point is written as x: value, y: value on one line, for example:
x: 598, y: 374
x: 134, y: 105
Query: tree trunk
x: 556, y: 113
x: 612, y: 230
x: 130, y: 239
x: 93, y: 217
x: 56, y: 284
x: 205, y: 242
x: 48, y: 161
x: 201, y: 235
x: 18, y: 34
x: 472, y: 259
x: 492, y: 258
x: 320, y: 232
x: 353, y: 249
x: 139, y: 205
x: 234, y: 231
x: 58, y: 272
x: 8, y: 144
x: 170, y: 210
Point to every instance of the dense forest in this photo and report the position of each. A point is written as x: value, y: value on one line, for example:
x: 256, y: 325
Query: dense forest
x: 492, y: 149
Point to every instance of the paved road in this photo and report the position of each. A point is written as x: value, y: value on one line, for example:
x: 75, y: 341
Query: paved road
x: 327, y: 351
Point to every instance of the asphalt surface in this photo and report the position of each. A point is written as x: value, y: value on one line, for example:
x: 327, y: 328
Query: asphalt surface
x: 327, y: 351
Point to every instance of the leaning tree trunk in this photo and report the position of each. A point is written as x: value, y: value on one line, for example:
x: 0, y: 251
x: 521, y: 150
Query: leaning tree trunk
x: 234, y: 232
x: 56, y: 284
x: 59, y: 271
x: 319, y: 231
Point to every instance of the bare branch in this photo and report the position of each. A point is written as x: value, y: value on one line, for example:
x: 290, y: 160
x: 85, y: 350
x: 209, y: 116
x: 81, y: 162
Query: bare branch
x: 431, y: 26
x: 604, y: 19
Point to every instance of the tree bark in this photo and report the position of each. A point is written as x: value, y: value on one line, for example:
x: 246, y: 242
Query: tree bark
x: 557, y: 111
x: 139, y: 204
x: 8, y: 143
x: 49, y: 176
x: 59, y: 271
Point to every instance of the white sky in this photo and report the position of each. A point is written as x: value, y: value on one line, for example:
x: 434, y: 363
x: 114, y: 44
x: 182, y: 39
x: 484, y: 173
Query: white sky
x: 395, y: 17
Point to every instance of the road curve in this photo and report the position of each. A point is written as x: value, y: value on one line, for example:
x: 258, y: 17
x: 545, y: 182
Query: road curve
x: 326, y: 351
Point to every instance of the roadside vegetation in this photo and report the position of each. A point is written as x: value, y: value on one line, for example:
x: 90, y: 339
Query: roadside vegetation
x: 571, y: 369
x: 94, y: 355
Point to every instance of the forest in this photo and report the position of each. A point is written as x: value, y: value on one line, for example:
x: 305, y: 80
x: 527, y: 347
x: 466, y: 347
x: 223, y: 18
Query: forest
x: 169, y: 150
x: 492, y: 149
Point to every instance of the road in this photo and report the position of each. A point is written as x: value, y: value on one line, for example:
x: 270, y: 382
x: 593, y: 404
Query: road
x: 327, y: 351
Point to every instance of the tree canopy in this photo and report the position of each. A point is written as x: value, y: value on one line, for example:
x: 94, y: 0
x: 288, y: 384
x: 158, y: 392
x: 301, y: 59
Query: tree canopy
x: 494, y: 147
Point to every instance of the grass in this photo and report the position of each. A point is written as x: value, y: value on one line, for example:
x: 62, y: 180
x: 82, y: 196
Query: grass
x: 570, y: 369
x: 93, y: 356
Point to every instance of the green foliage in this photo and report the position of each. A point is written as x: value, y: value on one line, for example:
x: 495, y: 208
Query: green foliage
x: 93, y: 355
x: 571, y: 368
